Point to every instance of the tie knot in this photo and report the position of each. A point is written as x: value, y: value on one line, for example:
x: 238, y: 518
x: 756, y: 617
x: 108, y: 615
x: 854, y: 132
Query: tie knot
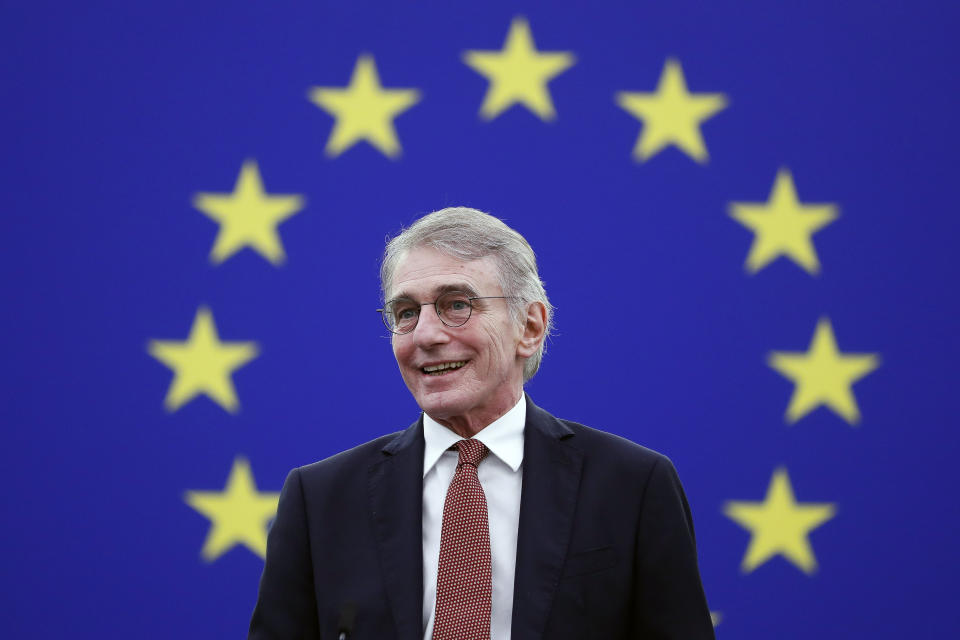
x: 471, y: 452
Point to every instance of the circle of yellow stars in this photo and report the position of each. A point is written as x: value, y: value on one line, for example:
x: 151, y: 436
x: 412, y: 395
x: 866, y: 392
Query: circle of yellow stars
x: 248, y: 217
x: 518, y: 74
x: 779, y: 524
x: 238, y: 515
x: 364, y: 110
x: 783, y: 226
x: 671, y: 115
x: 202, y: 364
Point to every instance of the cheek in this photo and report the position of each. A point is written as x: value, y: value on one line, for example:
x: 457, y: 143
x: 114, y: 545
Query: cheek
x: 401, y: 349
x: 497, y: 351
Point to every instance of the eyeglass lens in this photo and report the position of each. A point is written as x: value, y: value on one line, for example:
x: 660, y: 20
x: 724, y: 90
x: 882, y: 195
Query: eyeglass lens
x: 401, y: 315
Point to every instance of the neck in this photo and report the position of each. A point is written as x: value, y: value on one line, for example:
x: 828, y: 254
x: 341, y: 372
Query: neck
x: 469, y: 425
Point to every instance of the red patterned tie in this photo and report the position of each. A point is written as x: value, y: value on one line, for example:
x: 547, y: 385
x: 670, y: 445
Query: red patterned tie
x: 463, y: 577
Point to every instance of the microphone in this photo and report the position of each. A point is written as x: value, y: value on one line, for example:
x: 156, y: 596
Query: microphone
x: 345, y: 626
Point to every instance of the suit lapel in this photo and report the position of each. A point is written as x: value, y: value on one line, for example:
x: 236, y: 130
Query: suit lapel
x: 396, y: 503
x: 551, y: 478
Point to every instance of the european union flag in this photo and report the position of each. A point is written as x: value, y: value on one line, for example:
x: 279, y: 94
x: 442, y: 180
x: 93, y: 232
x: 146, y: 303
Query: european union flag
x: 744, y: 214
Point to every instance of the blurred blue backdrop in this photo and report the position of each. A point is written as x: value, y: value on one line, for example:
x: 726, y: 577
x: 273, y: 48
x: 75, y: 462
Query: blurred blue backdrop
x: 118, y: 117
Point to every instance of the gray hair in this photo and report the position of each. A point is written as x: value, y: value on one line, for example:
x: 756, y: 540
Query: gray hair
x: 468, y: 234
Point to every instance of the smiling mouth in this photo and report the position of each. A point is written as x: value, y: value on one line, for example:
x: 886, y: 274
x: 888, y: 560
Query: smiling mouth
x: 442, y: 368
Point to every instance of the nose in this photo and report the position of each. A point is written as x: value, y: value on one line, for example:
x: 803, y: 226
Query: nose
x: 430, y: 331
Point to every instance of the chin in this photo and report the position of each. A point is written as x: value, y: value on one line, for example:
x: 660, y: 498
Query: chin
x: 441, y: 404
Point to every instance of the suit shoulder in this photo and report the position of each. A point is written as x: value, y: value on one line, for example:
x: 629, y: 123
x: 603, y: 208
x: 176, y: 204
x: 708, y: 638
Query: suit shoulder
x: 349, y: 461
x: 613, y: 448
x: 612, y: 458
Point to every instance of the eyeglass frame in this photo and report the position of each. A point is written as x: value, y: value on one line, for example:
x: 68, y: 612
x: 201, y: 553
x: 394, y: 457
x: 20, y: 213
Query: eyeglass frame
x: 383, y: 311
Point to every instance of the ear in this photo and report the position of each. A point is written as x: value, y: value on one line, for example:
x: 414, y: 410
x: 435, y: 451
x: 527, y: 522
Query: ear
x: 533, y: 330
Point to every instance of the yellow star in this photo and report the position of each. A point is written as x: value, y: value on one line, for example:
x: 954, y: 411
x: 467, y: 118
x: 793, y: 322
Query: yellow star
x: 248, y: 217
x: 823, y: 375
x: 202, y: 364
x: 364, y: 110
x: 783, y: 226
x: 518, y: 73
x: 671, y: 115
x: 238, y: 515
x: 779, y: 525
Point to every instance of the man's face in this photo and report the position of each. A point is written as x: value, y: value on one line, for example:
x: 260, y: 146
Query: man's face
x: 489, y: 383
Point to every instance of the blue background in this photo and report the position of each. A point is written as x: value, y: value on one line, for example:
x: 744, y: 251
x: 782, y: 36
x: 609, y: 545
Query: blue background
x: 115, y: 115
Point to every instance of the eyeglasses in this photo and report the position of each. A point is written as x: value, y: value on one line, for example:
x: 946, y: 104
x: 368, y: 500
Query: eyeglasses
x: 453, y: 308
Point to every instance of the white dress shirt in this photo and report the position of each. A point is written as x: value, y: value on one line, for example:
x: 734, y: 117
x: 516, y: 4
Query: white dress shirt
x: 501, y: 478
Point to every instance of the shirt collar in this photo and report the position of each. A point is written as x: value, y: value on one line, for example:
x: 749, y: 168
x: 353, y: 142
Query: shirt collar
x: 503, y: 436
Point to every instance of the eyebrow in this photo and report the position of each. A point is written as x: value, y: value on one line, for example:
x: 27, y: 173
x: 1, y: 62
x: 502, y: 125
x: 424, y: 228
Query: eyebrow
x: 442, y: 289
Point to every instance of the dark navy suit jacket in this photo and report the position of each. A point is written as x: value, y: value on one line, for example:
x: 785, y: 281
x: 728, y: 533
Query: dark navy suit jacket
x: 605, y: 547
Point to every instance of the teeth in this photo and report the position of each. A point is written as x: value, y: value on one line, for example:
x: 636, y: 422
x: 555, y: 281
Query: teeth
x: 435, y: 368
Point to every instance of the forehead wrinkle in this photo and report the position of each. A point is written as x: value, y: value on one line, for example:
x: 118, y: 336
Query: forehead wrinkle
x: 440, y: 290
x: 447, y: 272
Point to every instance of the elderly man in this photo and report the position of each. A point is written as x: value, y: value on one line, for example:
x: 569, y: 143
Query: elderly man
x: 487, y: 517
